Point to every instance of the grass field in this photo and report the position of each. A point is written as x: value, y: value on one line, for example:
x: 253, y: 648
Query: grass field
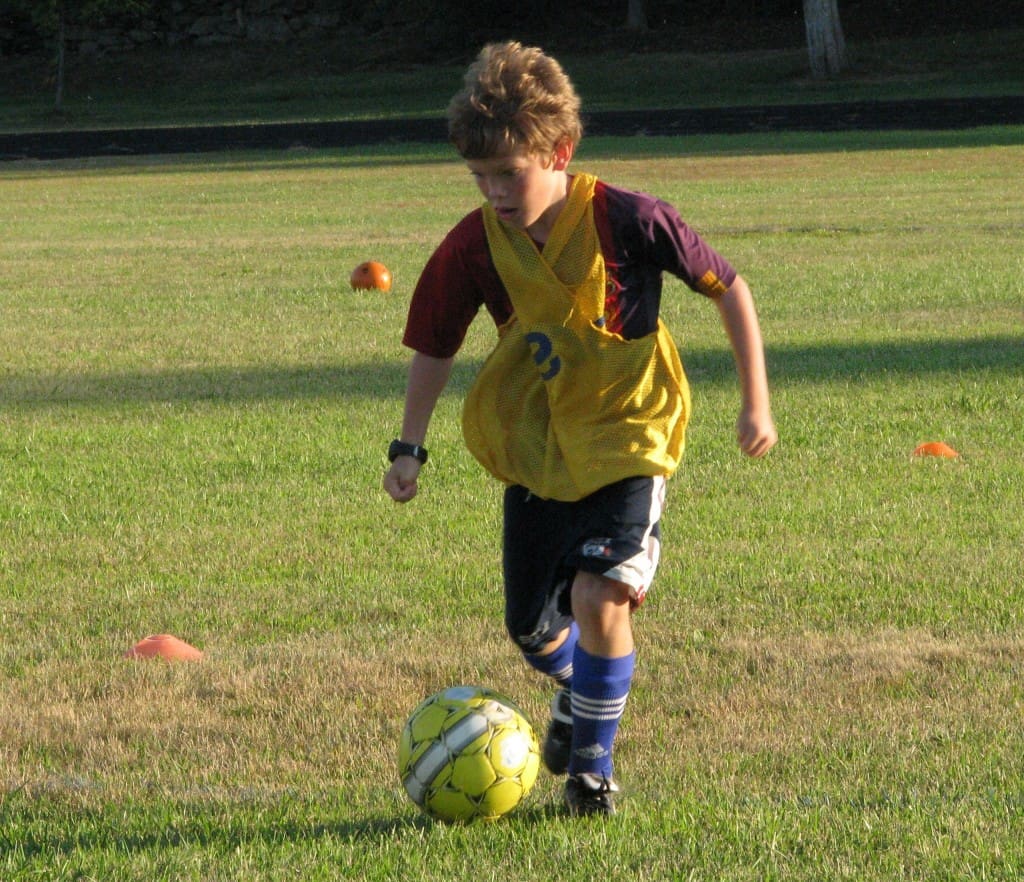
x: 194, y: 411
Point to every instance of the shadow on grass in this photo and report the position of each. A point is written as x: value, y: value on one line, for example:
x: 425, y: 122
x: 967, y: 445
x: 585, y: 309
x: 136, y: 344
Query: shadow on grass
x: 217, y: 826
x: 999, y: 353
x: 386, y: 379
x: 598, y: 145
x: 199, y: 830
x: 927, y: 119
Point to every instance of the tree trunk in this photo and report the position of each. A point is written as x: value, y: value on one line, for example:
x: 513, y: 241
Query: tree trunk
x: 636, y: 15
x: 58, y: 103
x: 825, y: 42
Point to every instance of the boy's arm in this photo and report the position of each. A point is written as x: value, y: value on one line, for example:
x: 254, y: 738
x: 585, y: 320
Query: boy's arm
x: 755, y: 429
x: 427, y: 378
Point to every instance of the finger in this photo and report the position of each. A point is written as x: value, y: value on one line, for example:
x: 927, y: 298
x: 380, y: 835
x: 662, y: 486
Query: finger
x: 760, y: 445
x: 397, y: 489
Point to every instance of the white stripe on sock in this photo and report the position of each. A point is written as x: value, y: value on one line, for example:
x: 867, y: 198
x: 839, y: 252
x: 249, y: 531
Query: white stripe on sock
x: 563, y: 675
x: 598, y: 708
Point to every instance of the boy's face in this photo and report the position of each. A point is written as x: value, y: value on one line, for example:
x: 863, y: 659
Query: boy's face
x: 527, y: 191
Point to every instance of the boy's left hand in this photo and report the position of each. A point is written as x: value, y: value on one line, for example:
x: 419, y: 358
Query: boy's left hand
x: 756, y: 433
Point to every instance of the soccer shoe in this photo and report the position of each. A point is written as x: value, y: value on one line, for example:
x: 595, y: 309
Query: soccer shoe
x: 558, y: 742
x: 587, y: 794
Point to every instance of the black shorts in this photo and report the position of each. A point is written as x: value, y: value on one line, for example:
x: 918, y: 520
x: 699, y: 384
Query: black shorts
x: 613, y: 532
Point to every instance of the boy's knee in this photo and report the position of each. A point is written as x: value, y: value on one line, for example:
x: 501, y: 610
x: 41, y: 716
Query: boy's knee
x: 528, y: 643
x: 539, y: 642
x: 594, y: 593
x: 534, y: 627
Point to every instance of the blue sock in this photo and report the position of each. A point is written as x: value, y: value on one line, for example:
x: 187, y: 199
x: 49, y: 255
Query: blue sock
x: 557, y: 664
x: 600, y: 687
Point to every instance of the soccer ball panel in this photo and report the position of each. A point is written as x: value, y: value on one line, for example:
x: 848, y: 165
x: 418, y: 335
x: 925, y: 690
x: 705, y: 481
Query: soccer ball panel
x: 510, y: 751
x: 501, y: 798
x: 466, y: 732
x: 426, y: 724
x: 472, y: 773
x: 449, y: 804
x: 496, y: 712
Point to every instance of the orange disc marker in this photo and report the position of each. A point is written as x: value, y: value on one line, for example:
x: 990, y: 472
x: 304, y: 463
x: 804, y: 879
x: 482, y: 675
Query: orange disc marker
x: 936, y: 448
x: 165, y: 646
x: 371, y: 274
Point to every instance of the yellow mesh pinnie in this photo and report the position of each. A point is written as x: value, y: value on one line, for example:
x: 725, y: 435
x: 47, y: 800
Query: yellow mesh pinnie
x: 563, y: 406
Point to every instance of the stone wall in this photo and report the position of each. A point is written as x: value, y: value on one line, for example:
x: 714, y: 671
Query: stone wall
x: 193, y: 22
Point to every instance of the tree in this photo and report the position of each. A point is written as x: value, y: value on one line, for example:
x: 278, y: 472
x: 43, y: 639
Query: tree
x: 54, y: 17
x: 825, y: 42
x: 636, y: 15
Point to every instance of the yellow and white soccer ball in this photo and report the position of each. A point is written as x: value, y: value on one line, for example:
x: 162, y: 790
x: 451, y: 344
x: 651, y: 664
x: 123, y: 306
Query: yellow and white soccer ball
x: 468, y: 753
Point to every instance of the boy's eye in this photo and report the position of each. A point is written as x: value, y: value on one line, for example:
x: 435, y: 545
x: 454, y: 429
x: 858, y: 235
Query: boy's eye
x: 506, y: 173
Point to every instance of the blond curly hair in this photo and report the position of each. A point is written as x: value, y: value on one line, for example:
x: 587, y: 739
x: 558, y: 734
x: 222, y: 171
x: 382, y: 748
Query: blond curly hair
x: 513, y: 97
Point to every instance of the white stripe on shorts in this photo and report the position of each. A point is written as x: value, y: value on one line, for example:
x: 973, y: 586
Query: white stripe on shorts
x: 638, y: 572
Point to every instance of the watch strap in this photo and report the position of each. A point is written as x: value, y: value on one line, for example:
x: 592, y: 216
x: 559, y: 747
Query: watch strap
x: 399, y: 448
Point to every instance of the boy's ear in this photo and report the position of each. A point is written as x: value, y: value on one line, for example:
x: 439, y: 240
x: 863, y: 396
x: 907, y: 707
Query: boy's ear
x: 564, y: 150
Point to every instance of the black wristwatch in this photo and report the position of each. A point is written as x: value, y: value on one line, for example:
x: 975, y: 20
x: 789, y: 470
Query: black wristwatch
x: 404, y: 448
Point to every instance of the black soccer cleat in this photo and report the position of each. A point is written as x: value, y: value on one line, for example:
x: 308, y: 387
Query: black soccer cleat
x: 587, y: 795
x: 558, y: 742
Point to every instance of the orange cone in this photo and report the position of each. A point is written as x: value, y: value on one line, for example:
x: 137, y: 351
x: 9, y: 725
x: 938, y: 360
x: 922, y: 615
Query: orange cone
x: 371, y: 274
x: 936, y: 448
x: 165, y: 646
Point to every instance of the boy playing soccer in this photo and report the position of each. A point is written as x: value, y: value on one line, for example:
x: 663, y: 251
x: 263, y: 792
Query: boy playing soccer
x: 581, y: 408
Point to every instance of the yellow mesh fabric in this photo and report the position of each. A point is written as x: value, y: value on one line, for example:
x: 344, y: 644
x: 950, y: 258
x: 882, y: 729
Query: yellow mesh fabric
x: 561, y: 405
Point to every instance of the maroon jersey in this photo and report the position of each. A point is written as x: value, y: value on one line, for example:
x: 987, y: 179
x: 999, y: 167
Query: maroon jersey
x: 641, y: 237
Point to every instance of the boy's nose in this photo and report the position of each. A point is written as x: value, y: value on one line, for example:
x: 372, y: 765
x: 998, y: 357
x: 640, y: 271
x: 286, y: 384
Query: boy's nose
x: 495, y: 189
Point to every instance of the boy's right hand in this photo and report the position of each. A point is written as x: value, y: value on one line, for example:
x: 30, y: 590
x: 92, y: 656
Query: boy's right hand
x: 400, y: 479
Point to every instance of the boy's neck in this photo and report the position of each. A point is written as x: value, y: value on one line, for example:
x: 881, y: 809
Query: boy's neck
x: 540, y: 232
